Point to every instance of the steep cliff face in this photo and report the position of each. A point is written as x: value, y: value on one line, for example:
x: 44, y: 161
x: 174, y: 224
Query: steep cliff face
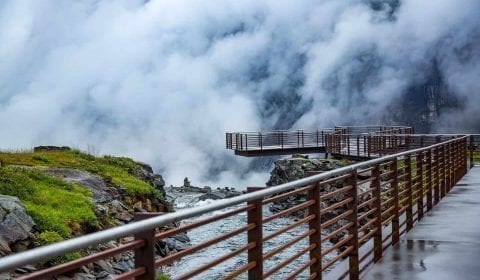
x: 423, y: 103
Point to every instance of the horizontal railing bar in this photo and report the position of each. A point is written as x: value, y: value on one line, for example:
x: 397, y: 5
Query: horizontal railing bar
x: 335, y: 206
x: 366, y: 236
x: 131, y: 274
x: 388, y: 220
x: 365, y: 215
x: 61, y: 268
x: 337, y: 231
x: 240, y: 270
x: 365, y: 226
x: 202, y: 222
x: 361, y: 182
x: 289, y: 210
x: 278, y: 249
x: 46, y: 252
x: 289, y: 260
x: 388, y: 210
x: 365, y: 203
x: 289, y: 227
x: 336, y: 219
x: 294, y: 274
x: 338, y: 244
x: 288, y: 194
x: 217, y: 261
x: 202, y: 245
x: 336, y: 192
x: 338, y: 257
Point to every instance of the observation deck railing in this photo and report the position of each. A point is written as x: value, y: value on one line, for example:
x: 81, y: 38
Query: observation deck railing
x: 376, y: 202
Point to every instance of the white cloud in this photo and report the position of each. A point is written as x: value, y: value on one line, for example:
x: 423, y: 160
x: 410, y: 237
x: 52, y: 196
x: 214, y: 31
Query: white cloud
x: 163, y: 81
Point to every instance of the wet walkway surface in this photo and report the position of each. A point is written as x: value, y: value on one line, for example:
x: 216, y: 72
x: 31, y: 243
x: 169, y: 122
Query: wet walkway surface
x: 445, y: 244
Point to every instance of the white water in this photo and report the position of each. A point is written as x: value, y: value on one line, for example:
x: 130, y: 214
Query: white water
x: 212, y: 230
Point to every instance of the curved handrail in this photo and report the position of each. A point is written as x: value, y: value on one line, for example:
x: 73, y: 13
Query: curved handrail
x: 19, y: 259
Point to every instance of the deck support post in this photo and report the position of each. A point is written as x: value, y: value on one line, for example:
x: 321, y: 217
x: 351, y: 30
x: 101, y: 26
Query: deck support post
x: 145, y: 256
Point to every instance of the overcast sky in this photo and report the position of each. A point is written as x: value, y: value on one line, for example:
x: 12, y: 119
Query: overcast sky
x: 162, y: 81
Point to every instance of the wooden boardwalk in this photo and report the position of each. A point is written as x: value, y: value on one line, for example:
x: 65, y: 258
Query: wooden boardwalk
x: 445, y: 244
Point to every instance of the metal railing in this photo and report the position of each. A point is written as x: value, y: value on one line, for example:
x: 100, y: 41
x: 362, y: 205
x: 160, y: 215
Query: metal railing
x: 333, y: 140
x: 375, y: 202
x: 281, y: 139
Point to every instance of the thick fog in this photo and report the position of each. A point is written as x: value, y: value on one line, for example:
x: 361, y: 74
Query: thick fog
x: 162, y: 81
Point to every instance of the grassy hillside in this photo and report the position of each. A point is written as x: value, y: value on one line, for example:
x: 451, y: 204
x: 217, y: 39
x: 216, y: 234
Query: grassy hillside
x: 59, y: 206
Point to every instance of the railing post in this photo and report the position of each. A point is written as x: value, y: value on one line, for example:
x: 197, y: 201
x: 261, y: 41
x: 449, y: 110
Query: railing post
x: 472, y: 150
x: 255, y: 235
x: 281, y: 135
x: 420, y: 185
x: 465, y: 156
x: 437, y: 174
x: 358, y: 145
x: 303, y: 139
x: 377, y: 194
x: 298, y: 138
x: 408, y: 185
x: 429, y: 183
x: 260, y: 140
x: 396, y: 219
x: 354, y: 266
x: 443, y: 174
x: 369, y: 145
x: 348, y: 147
x: 145, y: 256
x: 447, y: 167
x: 450, y: 166
x: 316, y: 238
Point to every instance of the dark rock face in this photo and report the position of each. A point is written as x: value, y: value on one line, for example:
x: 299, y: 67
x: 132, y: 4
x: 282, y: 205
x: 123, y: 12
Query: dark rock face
x: 287, y: 170
x: 15, y: 224
x: 147, y: 174
x: 50, y: 148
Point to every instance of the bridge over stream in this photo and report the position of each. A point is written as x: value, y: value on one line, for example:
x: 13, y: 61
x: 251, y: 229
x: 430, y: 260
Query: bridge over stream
x: 408, y: 212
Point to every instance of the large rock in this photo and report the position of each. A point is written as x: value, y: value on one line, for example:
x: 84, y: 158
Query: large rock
x: 51, y: 149
x: 101, y: 193
x: 287, y: 170
x: 15, y: 223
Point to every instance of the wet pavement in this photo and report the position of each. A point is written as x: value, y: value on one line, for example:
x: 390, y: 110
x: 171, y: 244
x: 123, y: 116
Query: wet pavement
x: 445, y: 244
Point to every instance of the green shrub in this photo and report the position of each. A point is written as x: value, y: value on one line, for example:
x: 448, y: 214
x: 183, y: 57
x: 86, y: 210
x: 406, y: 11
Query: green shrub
x: 162, y: 276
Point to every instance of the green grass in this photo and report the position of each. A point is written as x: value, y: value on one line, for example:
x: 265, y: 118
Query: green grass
x: 55, y: 205
x: 116, y: 170
x: 476, y: 157
x: 50, y: 237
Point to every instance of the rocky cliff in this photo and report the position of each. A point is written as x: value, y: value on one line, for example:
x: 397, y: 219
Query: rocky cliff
x: 55, y: 193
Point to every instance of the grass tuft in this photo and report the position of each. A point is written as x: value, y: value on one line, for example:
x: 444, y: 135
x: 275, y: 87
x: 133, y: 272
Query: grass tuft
x: 117, y: 170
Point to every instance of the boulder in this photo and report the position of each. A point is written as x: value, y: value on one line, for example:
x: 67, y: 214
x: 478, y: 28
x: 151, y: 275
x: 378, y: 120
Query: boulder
x: 101, y: 192
x: 50, y: 149
x: 15, y: 224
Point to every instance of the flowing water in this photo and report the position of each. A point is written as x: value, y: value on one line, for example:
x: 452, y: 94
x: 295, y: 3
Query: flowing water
x: 204, y: 233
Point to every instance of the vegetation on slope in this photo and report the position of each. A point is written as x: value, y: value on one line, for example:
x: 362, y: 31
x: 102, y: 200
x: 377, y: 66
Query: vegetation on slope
x: 118, y: 170
x: 59, y: 206
x: 54, y: 204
